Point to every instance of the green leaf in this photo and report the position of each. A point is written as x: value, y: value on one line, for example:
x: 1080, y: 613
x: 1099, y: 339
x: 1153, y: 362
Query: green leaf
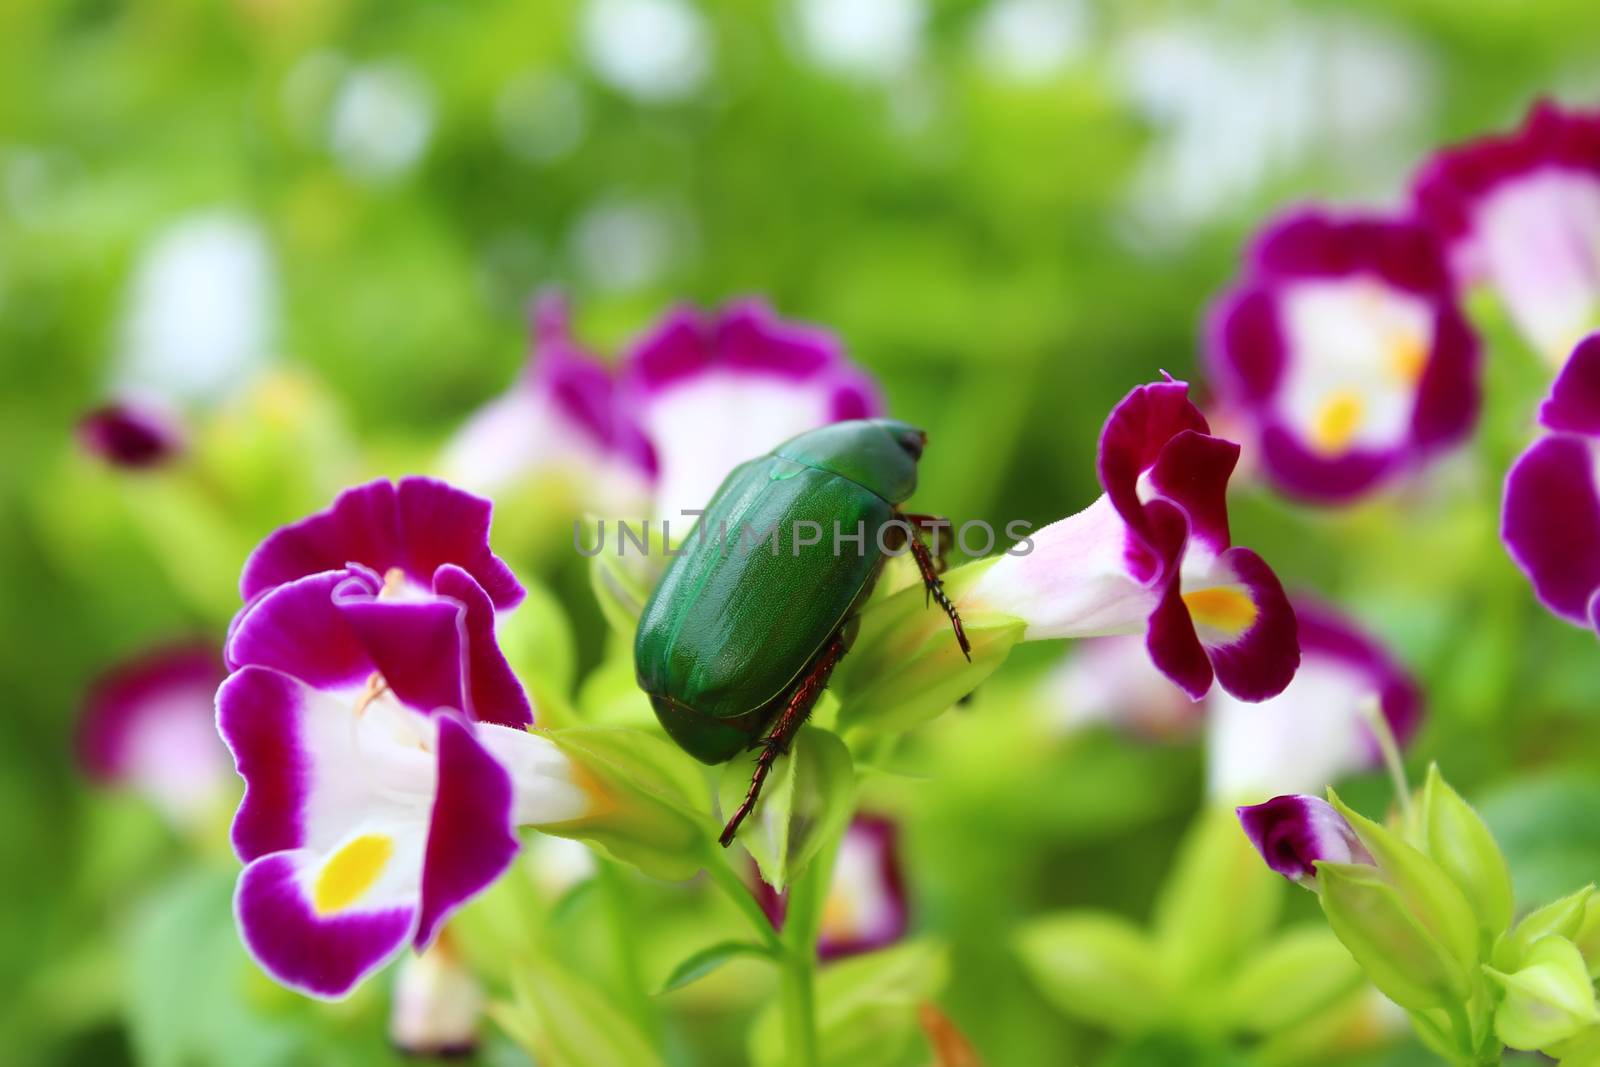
x: 866, y: 1008
x: 620, y: 574
x: 1301, y: 973
x: 537, y: 640
x: 808, y: 798
x: 559, y: 1017
x: 649, y: 809
x: 1562, y: 918
x: 1547, y: 829
x: 905, y: 666
x: 1430, y: 895
x: 1099, y: 968
x: 699, y: 964
x: 1218, y: 900
x: 1400, y: 957
x: 1458, y: 841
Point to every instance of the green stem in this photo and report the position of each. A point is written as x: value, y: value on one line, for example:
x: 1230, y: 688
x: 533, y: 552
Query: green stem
x: 1372, y: 710
x: 797, y: 979
x: 620, y: 913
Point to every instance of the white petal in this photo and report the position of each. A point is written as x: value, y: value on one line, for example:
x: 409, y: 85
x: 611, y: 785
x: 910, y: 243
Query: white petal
x: 547, y: 789
x: 1074, y: 583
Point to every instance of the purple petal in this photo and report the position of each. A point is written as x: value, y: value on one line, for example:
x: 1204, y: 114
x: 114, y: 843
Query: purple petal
x: 1574, y: 402
x: 322, y: 956
x: 1303, y: 474
x: 1174, y: 646
x: 134, y: 436
x: 472, y: 835
x: 1260, y: 662
x: 1326, y: 634
x: 1192, y: 471
x: 1133, y: 437
x: 1293, y: 832
x: 866, y: 906
x: 494, y: 693
x: 1551, y: 523
x: 417, y: 645
x: 297, y: 628
x: 259, y: 715
x: 171, y: 681
x: 415, y: 527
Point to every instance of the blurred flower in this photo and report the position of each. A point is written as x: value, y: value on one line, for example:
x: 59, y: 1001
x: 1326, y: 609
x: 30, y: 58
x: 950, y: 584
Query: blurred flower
x: 1152, y: 555
x: 541, y: 116
x: 1521, y: 211
x: 1551, y: 517
x: 711, y: 391
x: 1232, y: 108
x: 201, y: 311
x: 1344, y: 343
x: 1111, y: 680
x: 865, y: 908
x: 1292, y: 833
x: 380, y: 735
x: 437, y: 1004
x: 655, y: 51
x: 131, y: 434
x: 562, y: 416
x: 381, y: 122
x: 1313, y: 732
x: 1030, y: 40
x: 150, y: 724
x: 621, y: 244
x: 876, y: 40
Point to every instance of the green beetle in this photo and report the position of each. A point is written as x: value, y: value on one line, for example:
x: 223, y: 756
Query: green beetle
x: 740, y: 635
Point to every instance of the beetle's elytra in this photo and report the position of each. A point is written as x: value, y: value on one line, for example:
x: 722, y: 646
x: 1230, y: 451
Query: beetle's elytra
x: 737, y: 641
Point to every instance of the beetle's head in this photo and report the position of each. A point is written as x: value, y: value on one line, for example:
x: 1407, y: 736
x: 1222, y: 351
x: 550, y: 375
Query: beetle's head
x: 907, y: 436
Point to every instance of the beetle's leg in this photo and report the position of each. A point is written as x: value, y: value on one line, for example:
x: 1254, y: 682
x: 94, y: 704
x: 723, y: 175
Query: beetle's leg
x: 941, y: 528
x: 934, y: 588
x: 793, y: 716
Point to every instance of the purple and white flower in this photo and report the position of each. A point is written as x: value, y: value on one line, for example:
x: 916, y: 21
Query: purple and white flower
x: 865, y: 908
x: 1521, y: 212
x: 148, y: 724
x: 692, y: 398
x: 1344, y: 345
x: 1314, y: 732
x: 1111, y: 681
x: 712, y: 391
x: 1551, y: 517
x: 562, y: 418
x: 1292, y: 833
x: 132, y: 434
x: 1154, y: 556
x: 379, y: 731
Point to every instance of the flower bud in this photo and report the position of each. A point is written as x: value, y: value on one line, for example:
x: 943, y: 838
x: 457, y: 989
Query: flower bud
x: 1561, y: 918
x: 437, y: 1003
x: 1293, y: 833
x: 1401, y: 958
x: 644, y: 800
x: 1548, y: 1000
x: 1458, y: 841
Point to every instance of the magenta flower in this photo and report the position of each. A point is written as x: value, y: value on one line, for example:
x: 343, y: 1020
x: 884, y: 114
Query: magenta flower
x: 694, y: 397
x: 379, y: 731
x: 1521, y: 212
x: 1154, y: 556
x: 562, y: 417
x: 711, y: 391
x: 1314, y: 732
x: 131, y: 434
x: 149, y: 724
x: 1293, y: 832
x: 1551, y: 517
x: 865, y: 908
x: 1344, y: 347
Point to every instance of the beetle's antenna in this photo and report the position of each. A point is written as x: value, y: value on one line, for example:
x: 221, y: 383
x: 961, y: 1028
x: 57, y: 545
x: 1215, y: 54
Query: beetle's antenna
x: 794, y: 715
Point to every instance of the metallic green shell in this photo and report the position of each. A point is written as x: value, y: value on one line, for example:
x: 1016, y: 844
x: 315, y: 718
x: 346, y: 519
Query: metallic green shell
x: 731, y: 626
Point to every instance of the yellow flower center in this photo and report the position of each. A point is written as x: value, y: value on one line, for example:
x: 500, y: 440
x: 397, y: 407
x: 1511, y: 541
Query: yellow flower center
x: 350, y: 872
x: 1337, y: 420
x: 1223, y: 608
x: 1408, y: 356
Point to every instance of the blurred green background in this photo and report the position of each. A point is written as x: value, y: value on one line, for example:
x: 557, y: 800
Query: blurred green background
x: 1011, y: 210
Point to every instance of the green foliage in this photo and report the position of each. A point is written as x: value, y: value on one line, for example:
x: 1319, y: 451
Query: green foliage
x: 807, y: 801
